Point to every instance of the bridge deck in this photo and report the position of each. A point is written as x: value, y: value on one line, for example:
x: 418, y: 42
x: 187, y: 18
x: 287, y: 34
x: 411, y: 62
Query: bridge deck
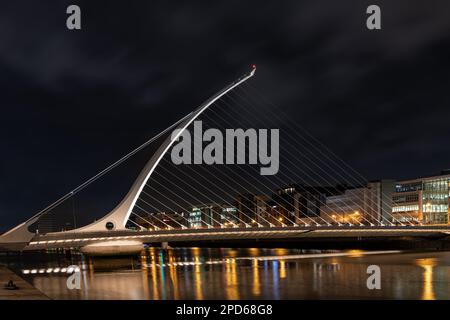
x: 76, y: 240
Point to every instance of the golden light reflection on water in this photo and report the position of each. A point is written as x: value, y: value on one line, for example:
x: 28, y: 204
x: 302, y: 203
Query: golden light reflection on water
x: 282, y: 269
x: 213, y: 274
x: 231, y: 282
x: 154, y: 278
x: 256, y: 288
x: 427, y: 265
x: 198, y: 280
x: 173, y: 276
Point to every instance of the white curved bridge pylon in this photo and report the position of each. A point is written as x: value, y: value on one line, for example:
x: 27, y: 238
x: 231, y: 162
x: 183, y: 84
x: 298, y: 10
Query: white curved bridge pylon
x: 118, y: 217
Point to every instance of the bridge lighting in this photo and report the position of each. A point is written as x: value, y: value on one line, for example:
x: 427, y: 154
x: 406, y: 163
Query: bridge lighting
x: 253, y: 66
x: 280, y: 219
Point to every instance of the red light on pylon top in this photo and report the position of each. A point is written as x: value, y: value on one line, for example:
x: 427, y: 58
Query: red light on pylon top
x: 253, y: 66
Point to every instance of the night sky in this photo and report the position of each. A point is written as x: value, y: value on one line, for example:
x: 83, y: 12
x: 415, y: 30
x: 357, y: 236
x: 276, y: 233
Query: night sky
x: 75, y: 101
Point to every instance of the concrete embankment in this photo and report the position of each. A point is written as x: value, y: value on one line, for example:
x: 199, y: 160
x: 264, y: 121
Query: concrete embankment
x: 25, y: 290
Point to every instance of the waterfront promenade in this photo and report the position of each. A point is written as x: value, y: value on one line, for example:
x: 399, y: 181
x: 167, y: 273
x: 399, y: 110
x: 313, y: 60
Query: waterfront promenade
x: 25, y: 292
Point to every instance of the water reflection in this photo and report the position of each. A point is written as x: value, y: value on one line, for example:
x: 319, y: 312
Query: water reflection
x: 231, y: 283
x: 282, y: 269
x: 256, y: 288
x: 244, y: 274
x: 198, y: 279
x: 427, y: 265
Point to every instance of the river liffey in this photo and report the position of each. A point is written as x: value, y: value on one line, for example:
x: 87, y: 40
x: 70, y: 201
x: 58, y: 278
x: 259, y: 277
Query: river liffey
x: 195, y: 273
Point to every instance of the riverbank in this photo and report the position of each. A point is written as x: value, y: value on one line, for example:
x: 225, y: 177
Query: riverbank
x: 25, y: 292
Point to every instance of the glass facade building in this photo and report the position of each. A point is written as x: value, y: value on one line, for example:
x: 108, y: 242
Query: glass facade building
x: 424, y: 200
x: 435, y: 201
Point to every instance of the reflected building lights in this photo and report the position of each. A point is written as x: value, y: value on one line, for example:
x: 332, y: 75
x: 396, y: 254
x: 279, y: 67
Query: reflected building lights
x: 256, y: 288
x: 213, y: 274
x: 198, y: 280
x: 282, y: 269
x: 232, y: 291
x: 154, y: 278
x: 427, y: 265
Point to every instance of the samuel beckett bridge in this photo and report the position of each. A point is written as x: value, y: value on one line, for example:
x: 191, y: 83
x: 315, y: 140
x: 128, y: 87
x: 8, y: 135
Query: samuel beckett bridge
x: 315, y: 221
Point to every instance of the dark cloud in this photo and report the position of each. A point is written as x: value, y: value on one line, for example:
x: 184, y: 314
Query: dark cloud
x: 73, y: 102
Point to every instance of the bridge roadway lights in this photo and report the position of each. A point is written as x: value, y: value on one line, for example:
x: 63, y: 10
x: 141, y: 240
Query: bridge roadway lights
x: 112, y: 248
x: 113, y: 243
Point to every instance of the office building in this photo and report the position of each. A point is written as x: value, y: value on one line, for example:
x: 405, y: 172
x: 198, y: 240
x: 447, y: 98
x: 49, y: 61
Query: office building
x: 366, y: 205
x: 423, y: 200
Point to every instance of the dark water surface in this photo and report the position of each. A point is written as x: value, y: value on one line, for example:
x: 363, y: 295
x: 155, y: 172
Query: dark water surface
x: 241, y: 274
